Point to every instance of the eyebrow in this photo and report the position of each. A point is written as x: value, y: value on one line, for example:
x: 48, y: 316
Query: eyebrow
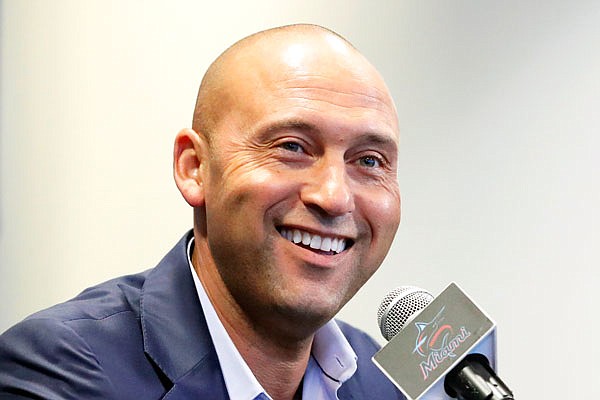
x: 302, y: 125
x: 379, y: 139
x: 293, y: 124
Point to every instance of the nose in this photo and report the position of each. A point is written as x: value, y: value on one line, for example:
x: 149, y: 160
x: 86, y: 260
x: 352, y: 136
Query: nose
x: 328, y: 189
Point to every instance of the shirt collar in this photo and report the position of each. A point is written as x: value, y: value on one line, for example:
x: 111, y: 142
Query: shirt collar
x: 334, y: 358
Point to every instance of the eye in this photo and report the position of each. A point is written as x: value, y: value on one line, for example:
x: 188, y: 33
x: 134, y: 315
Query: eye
x: 370, y: 162
x: 292, y: 146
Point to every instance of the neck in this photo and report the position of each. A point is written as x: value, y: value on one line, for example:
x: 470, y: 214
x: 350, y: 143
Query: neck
x: 277, y: 360
x: 279, y: 369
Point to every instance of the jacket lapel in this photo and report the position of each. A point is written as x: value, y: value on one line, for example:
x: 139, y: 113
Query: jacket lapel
x: 204, y: 381
x: 175, y: 333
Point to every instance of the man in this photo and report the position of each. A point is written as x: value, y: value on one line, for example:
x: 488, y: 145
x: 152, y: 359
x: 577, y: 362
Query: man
x: 291, y: 170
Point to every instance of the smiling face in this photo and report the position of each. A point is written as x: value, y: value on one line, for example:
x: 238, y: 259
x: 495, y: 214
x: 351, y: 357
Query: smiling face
x: 300, y: 201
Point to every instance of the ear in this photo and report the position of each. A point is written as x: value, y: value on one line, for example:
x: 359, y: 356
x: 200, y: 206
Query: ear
x: 189, y: 154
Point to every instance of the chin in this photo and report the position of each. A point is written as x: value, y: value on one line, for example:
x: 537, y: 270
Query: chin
x: 309, y: 315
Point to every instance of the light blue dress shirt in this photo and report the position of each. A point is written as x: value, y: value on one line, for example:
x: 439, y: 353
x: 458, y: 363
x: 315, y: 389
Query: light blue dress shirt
x: 332, y: 360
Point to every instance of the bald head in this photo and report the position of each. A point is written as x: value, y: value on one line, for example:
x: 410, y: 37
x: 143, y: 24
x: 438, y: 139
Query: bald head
x: 294, y: 130
x: 271, y: 56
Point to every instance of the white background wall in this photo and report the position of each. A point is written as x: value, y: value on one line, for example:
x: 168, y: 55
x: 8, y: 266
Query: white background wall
x: 498, y: 107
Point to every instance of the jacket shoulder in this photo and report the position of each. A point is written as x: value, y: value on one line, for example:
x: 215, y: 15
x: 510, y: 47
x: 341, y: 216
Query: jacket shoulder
x: 82, y: 348
x: 368, y: 382
x: 45, y: 358
x: 100, y: 301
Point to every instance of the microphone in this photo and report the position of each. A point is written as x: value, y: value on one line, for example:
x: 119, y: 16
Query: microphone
x: 439, y: 348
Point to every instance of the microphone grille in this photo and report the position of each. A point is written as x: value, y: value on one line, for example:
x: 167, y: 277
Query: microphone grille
x: 399, y: 306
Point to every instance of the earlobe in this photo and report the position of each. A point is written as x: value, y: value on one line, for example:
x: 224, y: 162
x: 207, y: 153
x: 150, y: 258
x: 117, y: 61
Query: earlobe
x: 187, y: 163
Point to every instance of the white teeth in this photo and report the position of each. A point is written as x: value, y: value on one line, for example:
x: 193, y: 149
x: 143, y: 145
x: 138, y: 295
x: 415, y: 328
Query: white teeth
x: 297, y: 236
x: 337, y: 245
x: 315, y: 242
x: 334, y: 244
x: 306, y: 238
x: 341, y: 245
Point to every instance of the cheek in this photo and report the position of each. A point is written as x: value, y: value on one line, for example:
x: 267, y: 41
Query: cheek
x: 382, y: 215
x: 247, y: 196
x: 249, y: 175
x: 382, y: 208
x: 259, y: 191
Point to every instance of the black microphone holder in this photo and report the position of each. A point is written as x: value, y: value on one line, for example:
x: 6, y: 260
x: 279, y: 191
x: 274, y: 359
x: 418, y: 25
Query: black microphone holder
x: 474, y: 379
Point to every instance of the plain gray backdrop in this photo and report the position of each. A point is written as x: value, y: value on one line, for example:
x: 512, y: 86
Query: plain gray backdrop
x: 499, y: 113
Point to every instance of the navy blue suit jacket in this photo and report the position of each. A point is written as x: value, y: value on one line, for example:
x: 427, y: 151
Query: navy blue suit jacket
x: 142, y: 336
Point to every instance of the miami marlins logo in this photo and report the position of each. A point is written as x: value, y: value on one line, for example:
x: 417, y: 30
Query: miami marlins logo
x: 432, y: 335
x: 436, y: 342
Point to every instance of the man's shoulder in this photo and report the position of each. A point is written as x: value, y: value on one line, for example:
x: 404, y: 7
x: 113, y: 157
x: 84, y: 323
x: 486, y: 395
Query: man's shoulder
x: 359, y: 339
x: 98, y: 302
x: 368, y: 381
x: 60, y: 352
x: 108, y: 312
x: 118, y: 295
x: 93, y: 346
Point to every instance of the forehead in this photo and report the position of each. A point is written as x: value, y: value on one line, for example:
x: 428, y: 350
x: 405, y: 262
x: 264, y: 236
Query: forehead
x: 344, y: 95
x: 343, y: 109
x: 321, y: 81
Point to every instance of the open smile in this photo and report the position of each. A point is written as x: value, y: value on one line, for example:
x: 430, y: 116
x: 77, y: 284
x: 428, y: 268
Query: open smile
x: 328, y: 244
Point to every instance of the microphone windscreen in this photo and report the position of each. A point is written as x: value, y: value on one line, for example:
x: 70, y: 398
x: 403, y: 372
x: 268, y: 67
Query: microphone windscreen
x: 398, y: 308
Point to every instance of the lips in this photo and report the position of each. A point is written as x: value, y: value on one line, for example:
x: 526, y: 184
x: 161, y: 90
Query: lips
x: 314, y: 241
